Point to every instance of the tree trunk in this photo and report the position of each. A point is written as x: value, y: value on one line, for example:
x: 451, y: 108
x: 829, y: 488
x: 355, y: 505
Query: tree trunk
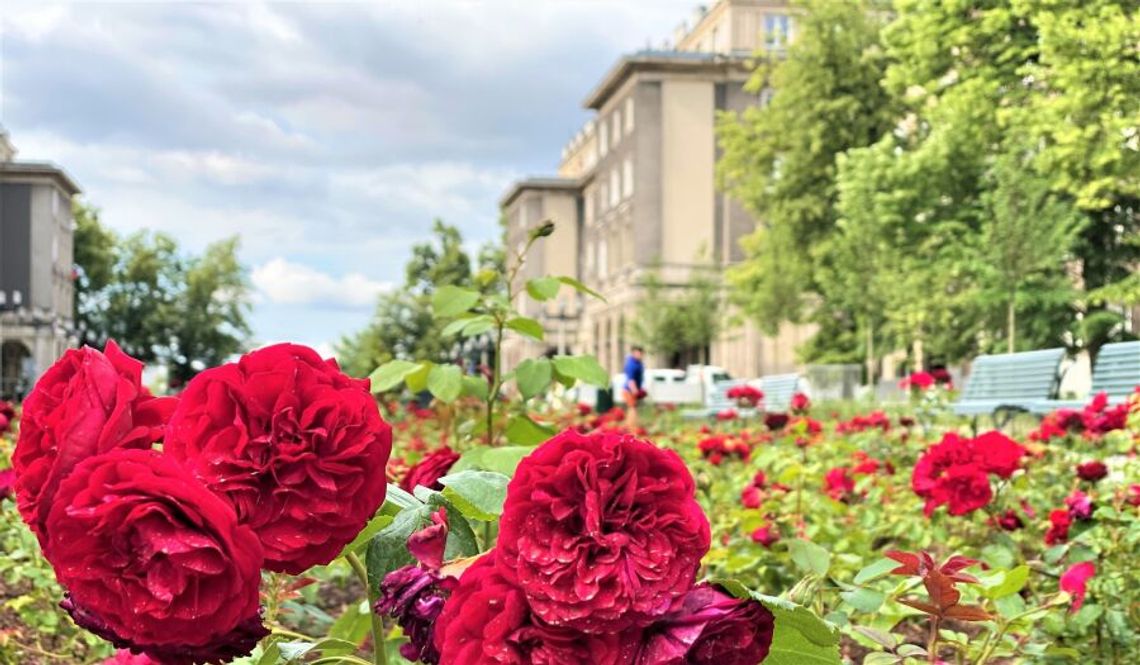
x: 919, y: 358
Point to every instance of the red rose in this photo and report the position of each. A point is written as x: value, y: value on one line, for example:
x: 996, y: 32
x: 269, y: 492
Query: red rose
x: 998, y: 453
x: 775, y: 421
x: 710, y: 628
x: 800, y: 403
x: 1059, y: 523
x: 766, y: 535
x: 838, y: 484
x: 1010, y: 520
x: 429, y: 470
x: 751, y: 497
x: 1075, y: 581
x: 296, y: 446
x: 85, y: 404
x: 618, y: 503
x: 124, y: 657
x: 487, y: 621
x: 1092, y: 471
x: 7, y: 481
x: 153, y: 561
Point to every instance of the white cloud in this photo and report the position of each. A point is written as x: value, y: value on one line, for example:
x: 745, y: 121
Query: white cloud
x: 283, y: 282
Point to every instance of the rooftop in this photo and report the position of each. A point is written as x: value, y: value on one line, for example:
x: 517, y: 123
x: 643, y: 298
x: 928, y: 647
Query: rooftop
x: 39, y: 170
x: 538, y: 183
x: 658, y: 60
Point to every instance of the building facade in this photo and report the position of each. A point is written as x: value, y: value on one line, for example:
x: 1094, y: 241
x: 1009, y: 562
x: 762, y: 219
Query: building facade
x: 36, y: 269
x: 636, y: 191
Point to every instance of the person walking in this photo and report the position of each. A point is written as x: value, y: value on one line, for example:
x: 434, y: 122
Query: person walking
x: 632, y: 389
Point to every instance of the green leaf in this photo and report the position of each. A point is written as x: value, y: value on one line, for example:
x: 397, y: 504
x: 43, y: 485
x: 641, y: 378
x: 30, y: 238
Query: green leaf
x: 580, y: 287
x: 526, y: 326
x: 352, y: 625
x: 371, y: 529
x: 475, y: 386
x: 533, y: 376
x: 478, y: 325
x: 461, y: 541
x: 389, y: 548
x: 543, y: 288
x: 524, y: 431
x: 455, y: 327
x: 417, y: 379
x: 864, y: 600
x: 453, y: 300
x: 876, y: 570
x: 1007, y: 583
x: 445, y: 382
x: 479, y: 495
x: 391, y: 374
x: 502, y: 460
x: 400, y: 499
x: 583, y: 368
x: 809, y: 557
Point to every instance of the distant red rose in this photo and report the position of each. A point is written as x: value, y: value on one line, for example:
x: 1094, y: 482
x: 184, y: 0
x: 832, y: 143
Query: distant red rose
x: 487, y: 621
x: 1080, y: 505
x: 751, y: 497
x: 800, y: 403
x: 1059, y: 523
x: 918, y: 381
x: 1010, y: 521
x: 948, y: 473
x: 86, y: 403
x: 7, y: 481
x: 430, y: 469
x: 726, y: 414
x: 1092, y: 471
x: 291, y: 442
x: 1133, y: 493
x: 710, y: 628
x: 618, y: 502
x: 839, y: 484
x: 1075, y: 581
x: 998, y: 453
x: 153, y: 561
x: 766, y: 535
x: 775, y: 421
x: 124, y: 657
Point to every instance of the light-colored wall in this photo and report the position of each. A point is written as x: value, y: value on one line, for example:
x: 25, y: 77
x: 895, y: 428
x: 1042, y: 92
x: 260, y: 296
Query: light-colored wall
x: 688, y: 150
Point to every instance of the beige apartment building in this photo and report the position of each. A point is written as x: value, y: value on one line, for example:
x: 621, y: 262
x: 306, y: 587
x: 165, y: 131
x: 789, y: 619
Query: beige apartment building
x: 635, y: 192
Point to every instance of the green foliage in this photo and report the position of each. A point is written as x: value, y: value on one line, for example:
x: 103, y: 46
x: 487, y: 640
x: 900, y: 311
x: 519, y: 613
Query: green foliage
x: 158, y: 303
x: 677, y: 320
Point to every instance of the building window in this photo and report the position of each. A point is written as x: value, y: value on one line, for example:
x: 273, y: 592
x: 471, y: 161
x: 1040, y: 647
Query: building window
x: 615, y: 187
x: 603, y: 259
x: 627, y: 177
x: 777, y: 30
x: 603, y: 197
x: 617, y: 126
x: 603, y: 139
x: 628, y: 114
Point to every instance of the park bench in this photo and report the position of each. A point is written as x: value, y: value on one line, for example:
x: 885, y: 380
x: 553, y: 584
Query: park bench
x: 1116, y: 373
x: 778, y: 391
x: 1003, y: 385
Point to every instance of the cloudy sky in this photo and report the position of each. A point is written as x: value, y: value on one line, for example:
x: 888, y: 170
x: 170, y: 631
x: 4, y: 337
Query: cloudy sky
x: 327, y: 135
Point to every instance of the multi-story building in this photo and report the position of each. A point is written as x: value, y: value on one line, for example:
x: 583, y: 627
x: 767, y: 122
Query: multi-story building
x: 36, y: 268
x: 636, y: 192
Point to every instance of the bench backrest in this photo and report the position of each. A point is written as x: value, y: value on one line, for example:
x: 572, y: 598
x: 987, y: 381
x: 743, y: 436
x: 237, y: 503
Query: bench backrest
x: 1027, y: 376
x: 1117, y: 370
x: 778, y: 390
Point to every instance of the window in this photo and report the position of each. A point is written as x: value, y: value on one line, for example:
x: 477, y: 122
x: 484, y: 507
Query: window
x: 627, y: 177
x: 777, y: 30
x: 615, y: 187
x: 603, y: 139
x: 628, y: 114
x: 603, y: 259
x: 603, y: 197
x: 617, y: 126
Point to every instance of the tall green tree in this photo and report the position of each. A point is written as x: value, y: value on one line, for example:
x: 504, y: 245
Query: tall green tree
x: 779, y: 159
x: 404, y: 325
x: 681, y: 320
x: 209, y: 323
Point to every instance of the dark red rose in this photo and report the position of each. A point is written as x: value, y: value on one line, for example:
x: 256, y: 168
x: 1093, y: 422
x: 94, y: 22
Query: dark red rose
x: 601, y: 531
x: 767, y: 535
x: 710, y: 628
x: 1092, y: 471
x: 296, y: 446
x: 775, y: 421
x: 1010, y: 521
x: 85, y: 404
x: 414, y: 597
x: 1080, y: 505
x: 429, y: 470
x: 487, y: 622
x: 153, y: 561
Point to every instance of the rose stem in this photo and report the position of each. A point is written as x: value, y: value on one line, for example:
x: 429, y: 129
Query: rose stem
x: 379, y: 647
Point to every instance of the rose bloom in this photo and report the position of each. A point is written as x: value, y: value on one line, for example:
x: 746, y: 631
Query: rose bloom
x: 153, y: 561
x: 429, y: 470
x: 1092, y: 471
x: 296, y: 446
x: 487, y: 622
x: 838, y: 484
x: 1133, y: 495
x: 999, y: 454
x: 414, y: 597
x: 1059, y: 523
x: 775, y: 421
x: 601, y: 531
x: 1080, y: 505
x: 124, y: 657
x: 7, y: 481
x: 1075, y: 581
x: 751, y: 497
x: 710, y: 628
x: 1010, y: 521
x: 86, y: 403
x: 767, y: 535
x: 800, y: 403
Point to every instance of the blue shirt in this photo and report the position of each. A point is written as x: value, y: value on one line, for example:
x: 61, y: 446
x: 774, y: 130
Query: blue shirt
x: 634, y: 371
